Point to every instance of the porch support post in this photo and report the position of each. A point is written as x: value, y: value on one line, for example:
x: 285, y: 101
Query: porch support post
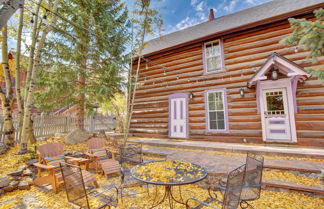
x: 294, y: 83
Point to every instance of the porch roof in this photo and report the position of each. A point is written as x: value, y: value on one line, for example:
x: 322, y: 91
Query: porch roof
x: 284, y: 65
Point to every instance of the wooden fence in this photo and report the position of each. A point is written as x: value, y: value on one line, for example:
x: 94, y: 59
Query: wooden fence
x: 48, y: 125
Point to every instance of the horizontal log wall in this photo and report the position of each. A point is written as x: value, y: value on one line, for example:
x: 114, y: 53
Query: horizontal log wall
x: 181, y: 70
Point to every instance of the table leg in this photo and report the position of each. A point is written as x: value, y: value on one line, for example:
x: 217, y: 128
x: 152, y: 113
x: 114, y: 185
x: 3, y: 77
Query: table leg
x: 156, y: 191
x: 178, y: 201
x: 147, y: 189
x: 166, y: 195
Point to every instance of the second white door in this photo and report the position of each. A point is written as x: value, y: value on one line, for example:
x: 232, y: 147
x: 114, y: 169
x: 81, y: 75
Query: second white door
x: 178, y: 118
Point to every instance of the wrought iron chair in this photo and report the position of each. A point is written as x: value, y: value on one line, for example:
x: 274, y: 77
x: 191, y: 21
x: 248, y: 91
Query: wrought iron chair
x: 232, y: 195
x: 77, y: 193
x: 132, y: 154
x: 252, y: 180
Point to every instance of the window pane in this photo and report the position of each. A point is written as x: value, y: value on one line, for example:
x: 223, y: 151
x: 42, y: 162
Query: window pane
x: 219, y: 101
x: 212, y: 105
x: 220, y: 115
x: 210, y: 65
x: 212, y: 125
x: 213, y: 63
x: 275, y: 103
x: 217, y: 62
x: 216, y: 50
x: 221, y: 124
x: 212, y: 116
x: 209, y: 50
x: 211, y: 96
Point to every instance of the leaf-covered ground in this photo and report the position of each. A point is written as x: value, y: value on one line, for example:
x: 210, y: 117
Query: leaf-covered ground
x: 39, y: 198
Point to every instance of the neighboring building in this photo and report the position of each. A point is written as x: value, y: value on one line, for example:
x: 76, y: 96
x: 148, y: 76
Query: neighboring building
x: 230, y: 80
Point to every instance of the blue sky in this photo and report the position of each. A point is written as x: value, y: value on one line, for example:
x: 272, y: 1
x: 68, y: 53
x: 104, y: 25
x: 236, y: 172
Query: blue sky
x: 179, y: 14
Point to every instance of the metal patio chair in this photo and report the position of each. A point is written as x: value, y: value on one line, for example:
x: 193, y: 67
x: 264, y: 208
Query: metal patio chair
x: 76, y: 192
x: 232, y: 195
x: 131, y: 154
x: 252, y: 180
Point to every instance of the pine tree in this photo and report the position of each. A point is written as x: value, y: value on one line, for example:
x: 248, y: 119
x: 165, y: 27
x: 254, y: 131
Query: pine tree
x: 310, y: 35
x: 85, y: 57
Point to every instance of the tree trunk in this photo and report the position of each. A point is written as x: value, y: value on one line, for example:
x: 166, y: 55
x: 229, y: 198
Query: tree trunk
x: 18, y: 91
x: 6, y: 98
x: 28, y: 130
x: 25, y: 133
x: 9, y: 130
x: 81, y: 96
x: 81, y: 103
x: 133, y: 86
x: 81, y: 83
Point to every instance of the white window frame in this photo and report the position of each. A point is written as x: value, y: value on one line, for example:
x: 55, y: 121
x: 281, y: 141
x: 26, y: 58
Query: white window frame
x: 225, y: 110
x: 221, y: 55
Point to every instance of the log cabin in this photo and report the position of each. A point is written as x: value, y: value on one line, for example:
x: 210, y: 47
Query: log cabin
x: 230, y: 80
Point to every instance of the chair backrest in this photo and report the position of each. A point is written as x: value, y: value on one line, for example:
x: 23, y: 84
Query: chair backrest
x: 96, y: 143
x: 131, y: 153
x: 233, y: 190
x: 74, y: 185
x: 253, y: 177
x: 51, y: 149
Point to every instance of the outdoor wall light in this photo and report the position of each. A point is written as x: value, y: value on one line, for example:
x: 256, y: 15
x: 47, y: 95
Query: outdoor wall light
x: 242, y: 93
x: 274, y: 74
x: 191, y: 96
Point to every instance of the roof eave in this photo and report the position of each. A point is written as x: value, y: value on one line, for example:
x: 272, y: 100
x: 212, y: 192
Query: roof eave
x: 237, y: 29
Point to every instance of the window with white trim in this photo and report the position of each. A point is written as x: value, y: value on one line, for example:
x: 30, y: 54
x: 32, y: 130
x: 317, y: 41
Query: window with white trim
x: 213, y: 57
x: 216, y: 110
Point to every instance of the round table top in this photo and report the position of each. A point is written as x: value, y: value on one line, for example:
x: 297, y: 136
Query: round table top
x: 169, y: 172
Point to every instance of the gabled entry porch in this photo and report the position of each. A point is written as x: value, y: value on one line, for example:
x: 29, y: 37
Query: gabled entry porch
x: 276, y: 85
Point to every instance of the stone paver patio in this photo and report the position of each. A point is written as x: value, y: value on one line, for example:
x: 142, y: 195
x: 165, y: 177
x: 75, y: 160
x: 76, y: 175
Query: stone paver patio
x: 220, y: 164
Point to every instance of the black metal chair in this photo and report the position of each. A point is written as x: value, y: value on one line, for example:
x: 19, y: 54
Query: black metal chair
x: 77, y: 193
x: 252, y: 179
x: 232, y: 195
x: 131, y: 154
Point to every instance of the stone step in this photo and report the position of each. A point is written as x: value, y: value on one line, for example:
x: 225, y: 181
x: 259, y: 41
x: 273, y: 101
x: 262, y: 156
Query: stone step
x: 318, y: 190
x: 290, y: 151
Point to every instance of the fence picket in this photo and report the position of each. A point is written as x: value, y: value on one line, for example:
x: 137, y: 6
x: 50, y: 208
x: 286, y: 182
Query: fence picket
x: 48, y: 125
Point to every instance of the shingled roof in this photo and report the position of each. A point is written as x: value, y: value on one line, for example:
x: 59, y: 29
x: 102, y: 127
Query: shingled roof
x: 221, y: 25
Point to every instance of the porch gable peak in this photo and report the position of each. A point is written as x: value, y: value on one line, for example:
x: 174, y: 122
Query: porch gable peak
x: 283, y: 65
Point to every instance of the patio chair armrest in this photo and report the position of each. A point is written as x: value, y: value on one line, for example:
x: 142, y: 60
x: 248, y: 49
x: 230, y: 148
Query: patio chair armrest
x: 201, y: 202
x: 222, y: 180
x: 47, y: 167
x: 78, y: 160
x: 90, y: 155
x: 111, y: 149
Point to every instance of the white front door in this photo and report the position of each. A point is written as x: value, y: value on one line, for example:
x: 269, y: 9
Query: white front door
x: 178, y: 118
x: 276, y: 115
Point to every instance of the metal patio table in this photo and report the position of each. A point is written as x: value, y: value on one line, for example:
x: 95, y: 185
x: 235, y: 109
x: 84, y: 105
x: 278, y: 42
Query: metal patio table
x: 168, y: 186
